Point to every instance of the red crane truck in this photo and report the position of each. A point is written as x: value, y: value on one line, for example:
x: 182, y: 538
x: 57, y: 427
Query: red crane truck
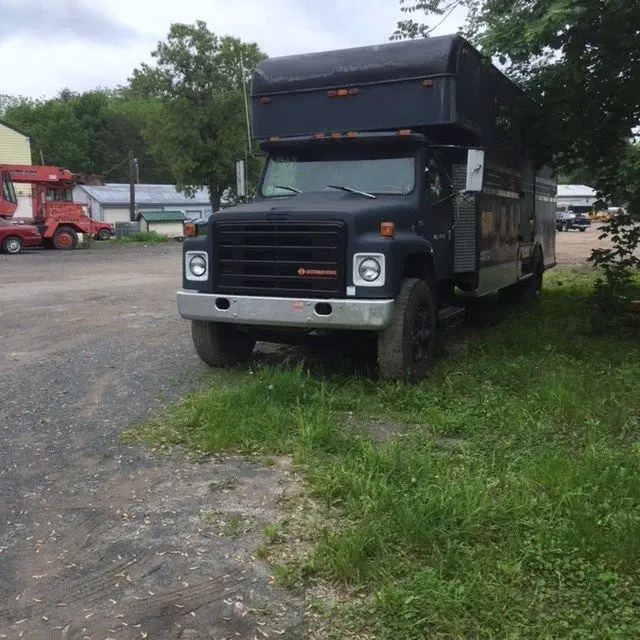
x: 59, y: 219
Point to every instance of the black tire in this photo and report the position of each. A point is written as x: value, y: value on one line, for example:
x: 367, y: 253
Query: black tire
x: 533, y: 286
x: 565, y: 227
x: 406, y: 348
x: 65, y: 238
x: 12, y: 245
x: 221, y: 345
x: 582, y: 229
x: 104, y: 234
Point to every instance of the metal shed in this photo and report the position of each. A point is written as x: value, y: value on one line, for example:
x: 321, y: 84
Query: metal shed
x: 571, y: 196
x: 166, y: 223
x: 110, y: 202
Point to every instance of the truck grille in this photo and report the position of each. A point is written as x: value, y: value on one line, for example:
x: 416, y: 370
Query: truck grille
x: 280, y: 259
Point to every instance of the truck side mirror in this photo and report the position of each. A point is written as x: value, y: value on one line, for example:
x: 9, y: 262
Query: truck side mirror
x: 475, y: 170
x: 241, y: 182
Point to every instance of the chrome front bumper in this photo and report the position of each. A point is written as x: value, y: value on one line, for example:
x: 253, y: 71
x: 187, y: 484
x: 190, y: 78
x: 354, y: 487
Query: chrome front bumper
x: 286, y: 312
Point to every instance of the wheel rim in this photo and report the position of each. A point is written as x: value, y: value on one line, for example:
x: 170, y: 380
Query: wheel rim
x: 103, y: 235
x: 13, y: 245
x: 65, y: 239
x: 420, y: 333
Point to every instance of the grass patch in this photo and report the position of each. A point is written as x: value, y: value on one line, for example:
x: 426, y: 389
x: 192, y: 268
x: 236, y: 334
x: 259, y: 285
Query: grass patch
x: 223, y: 485
x: 528, y: 528
x: 148, y: 237
x: 235, y: 526
x: 273, y: 532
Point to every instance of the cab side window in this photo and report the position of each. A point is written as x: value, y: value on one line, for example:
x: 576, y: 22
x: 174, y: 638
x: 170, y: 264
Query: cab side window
x: 436, y: 183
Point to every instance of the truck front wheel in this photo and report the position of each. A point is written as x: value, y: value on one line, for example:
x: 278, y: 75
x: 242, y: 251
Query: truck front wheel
x: 406, y: 348
x: 65, y: 238
x: 220, y: 344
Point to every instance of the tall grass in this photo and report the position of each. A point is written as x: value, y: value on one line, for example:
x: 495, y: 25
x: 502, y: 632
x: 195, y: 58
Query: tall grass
x: 149, y: 237
x: 510, y: 507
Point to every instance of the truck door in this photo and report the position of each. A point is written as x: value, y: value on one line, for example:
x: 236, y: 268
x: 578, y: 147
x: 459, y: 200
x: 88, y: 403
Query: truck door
x: 8, y: 199
x: 526, y: 232
x: 435, y: 219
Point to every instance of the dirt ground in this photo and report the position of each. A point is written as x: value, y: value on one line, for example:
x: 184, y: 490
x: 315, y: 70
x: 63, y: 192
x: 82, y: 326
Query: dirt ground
x: 99, y: 540
x: 573, y: 247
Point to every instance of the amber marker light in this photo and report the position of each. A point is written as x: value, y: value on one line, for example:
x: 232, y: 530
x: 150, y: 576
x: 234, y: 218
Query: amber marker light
x: 388, y: 229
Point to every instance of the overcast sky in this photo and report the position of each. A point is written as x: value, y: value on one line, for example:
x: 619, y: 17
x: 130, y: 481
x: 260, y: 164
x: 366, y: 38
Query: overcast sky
x: 47, y: 45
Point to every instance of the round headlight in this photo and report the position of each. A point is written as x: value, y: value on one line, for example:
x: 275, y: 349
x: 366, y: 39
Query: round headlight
x: 369, y: 269
x: 198, y: 266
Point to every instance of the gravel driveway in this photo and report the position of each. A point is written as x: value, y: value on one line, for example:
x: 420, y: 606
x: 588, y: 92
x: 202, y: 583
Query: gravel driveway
x: 98, y: 540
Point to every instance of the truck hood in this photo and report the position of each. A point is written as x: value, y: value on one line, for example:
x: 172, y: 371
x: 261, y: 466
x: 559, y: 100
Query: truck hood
x: 324, y: 205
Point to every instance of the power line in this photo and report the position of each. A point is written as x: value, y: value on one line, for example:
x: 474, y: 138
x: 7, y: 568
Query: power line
x: 115, y: 167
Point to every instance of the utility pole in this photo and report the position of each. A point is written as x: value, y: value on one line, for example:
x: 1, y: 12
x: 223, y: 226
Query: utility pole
x: 132, y: 187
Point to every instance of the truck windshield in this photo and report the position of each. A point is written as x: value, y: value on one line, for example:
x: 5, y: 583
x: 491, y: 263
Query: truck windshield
x: 371, y: 171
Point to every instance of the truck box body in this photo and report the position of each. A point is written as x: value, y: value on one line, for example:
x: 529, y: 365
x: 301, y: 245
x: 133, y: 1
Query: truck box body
x: 359, y: 142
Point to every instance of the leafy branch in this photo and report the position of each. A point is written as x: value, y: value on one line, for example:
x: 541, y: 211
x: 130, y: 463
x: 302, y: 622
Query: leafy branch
x: 618, y: 263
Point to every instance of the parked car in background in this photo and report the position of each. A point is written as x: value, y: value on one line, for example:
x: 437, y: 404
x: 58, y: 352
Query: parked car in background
x: 102, y: 230
x: 581, y: 223
x: 13, y: 237
x: 564, y: 220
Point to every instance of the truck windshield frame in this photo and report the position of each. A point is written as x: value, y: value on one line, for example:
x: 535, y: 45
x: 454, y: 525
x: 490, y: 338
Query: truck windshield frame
x: 376, y: 170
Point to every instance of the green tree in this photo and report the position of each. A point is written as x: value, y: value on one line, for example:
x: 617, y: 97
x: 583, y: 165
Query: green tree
x: 91, y: 132
x: 579, y: 58
x: 628, y: 185
x: 127, y: 117
x: 201, y: 125
x: 56, y: 130
x: 7, y: 101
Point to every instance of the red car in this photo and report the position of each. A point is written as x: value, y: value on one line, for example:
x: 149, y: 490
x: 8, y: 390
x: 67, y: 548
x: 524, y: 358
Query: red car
x: 13, y: 237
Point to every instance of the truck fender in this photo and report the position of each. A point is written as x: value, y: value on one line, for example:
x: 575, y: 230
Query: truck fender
x: 413, y: 256
x: 408, y: 256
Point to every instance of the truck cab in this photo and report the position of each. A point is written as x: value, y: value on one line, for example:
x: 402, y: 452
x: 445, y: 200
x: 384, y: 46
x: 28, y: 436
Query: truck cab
x: 385, y: 188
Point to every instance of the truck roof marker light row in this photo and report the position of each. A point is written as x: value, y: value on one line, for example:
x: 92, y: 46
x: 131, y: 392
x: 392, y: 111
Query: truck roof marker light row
x: 388, y: 230
x: 336, y: 135
x: 343, y: 93
x: 428, y: 83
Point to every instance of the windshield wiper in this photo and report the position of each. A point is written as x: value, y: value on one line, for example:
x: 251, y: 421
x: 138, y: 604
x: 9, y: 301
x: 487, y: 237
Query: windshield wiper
x: 350, y: 190
x: 280, y: 186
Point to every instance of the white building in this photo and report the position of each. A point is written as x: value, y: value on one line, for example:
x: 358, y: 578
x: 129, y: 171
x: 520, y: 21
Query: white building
x: 15, y: 148
x: 110, y: 202
x: 576, y: 197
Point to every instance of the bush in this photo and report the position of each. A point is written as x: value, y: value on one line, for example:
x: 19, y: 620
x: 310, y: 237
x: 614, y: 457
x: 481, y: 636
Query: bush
x: 144, y: 236
x: 615, y: 287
